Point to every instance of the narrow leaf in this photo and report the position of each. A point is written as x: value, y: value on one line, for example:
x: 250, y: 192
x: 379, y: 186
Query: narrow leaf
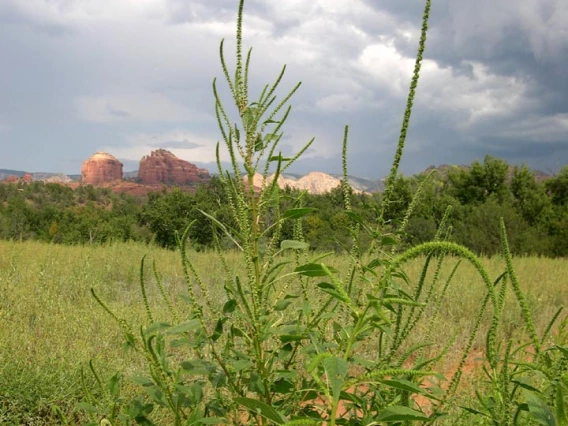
x: 265, y: 410
x: 336, y: 370
x: 399, y: 413
x: 298, y: 212
x: 185, y: 327
x: 539, y: 411
x: 314, y: 270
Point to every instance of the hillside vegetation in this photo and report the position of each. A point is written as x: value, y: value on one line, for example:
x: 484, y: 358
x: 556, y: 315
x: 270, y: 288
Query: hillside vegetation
x: 535, y: 213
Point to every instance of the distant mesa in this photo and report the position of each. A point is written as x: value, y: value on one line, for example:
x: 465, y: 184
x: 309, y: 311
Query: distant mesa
x: 313, y: 182
x: 11, y: 179
x: 163, y: 167
x: 101, y: 168
x: 25, y: 178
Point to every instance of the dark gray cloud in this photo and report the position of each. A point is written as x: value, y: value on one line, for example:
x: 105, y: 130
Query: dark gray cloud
x: 78, y: 77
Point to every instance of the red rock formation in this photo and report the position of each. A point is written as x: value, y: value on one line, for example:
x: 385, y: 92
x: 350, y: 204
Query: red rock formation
x: 27, y: 178
x: 100, y: 168
x: 11, y: 179
x: 163, y: 167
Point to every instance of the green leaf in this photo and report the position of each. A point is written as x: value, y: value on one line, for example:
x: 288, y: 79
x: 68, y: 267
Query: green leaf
x: 356, y: 217
x: 237, y: 332
x: 89, y: 408
x: 218, y: 329
x: 336, y: 370
x: 282, y: 304
x: 157, y: 395
x: 332, y: 291
x: 178, y: 343
x: 258, y: 145
x: 197, y: 367
x: 285, y: 338
x: 113, y: 385
x: 473, y: 411
x: 406, y: 385
x: 297, y: 213
x: 185, y: 327
x: 314, y: 270
x: 560, y: 405
x: 242, y: 364
x: 295, y: 245
x: 157, y: 326
x: 388, y: 241
x: 399, y: 413
x: 279, y: 158
x: 265, y: 410
x: 283, y: 386
x: 137, y: 408
x: 144, y: 421
x: 562, y: 349
x: 522, y: 382
x: 230, y: 306
x: 142, y: 381
x: 539, y: 411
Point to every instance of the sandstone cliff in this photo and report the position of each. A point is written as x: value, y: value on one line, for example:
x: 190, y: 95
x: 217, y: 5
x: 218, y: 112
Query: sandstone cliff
x: 314, y: 182
x: 163, y: 167
x: 100, y: 168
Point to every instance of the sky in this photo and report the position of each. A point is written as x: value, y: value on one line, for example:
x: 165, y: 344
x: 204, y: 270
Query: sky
x: 131, y: 76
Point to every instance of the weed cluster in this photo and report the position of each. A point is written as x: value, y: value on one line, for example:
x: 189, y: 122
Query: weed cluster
x: 270, y: 352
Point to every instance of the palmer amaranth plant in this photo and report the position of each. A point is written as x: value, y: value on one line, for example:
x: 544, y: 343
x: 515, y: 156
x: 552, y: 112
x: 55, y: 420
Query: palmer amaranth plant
x: 293, y: 340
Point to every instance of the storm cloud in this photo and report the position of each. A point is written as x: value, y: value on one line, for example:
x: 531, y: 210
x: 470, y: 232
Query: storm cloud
x: 129, y: 76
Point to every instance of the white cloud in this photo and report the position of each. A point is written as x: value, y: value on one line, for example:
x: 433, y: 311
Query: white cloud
x: 388, y: 67
x: 477, y: 96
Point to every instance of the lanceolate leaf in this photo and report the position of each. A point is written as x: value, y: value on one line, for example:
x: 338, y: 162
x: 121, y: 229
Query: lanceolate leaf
x: 407, y: 385
x: 314, y: 270
x: 265, y: 410
x: 157, y: 326
x: 185, y: 327
x: 400, y: 413
x: 336, y: 370
x: 540, y: 412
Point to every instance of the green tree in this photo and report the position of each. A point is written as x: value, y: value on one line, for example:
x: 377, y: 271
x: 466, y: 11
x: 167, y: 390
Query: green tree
x: 480, y: 182
x: 530, y: 198
x: 557, y: 187
x: 168, y: 213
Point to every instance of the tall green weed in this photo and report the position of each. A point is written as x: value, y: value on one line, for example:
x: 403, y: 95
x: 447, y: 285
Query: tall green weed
x: 270, y: 352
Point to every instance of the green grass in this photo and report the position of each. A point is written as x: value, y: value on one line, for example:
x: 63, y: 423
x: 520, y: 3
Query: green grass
x: 50, y: 326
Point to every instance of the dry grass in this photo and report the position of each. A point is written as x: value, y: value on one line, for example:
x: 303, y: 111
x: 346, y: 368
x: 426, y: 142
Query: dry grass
x: 50, y: 325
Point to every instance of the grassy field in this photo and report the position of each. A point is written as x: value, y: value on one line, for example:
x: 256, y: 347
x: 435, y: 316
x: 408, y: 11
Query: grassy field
x: 50, y: 325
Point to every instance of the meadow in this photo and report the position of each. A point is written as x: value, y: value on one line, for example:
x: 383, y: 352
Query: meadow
x: 273, y: 332
x: 51, y: 326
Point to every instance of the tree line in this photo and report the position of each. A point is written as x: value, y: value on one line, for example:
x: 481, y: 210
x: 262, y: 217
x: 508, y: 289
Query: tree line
x: 535, y: 212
